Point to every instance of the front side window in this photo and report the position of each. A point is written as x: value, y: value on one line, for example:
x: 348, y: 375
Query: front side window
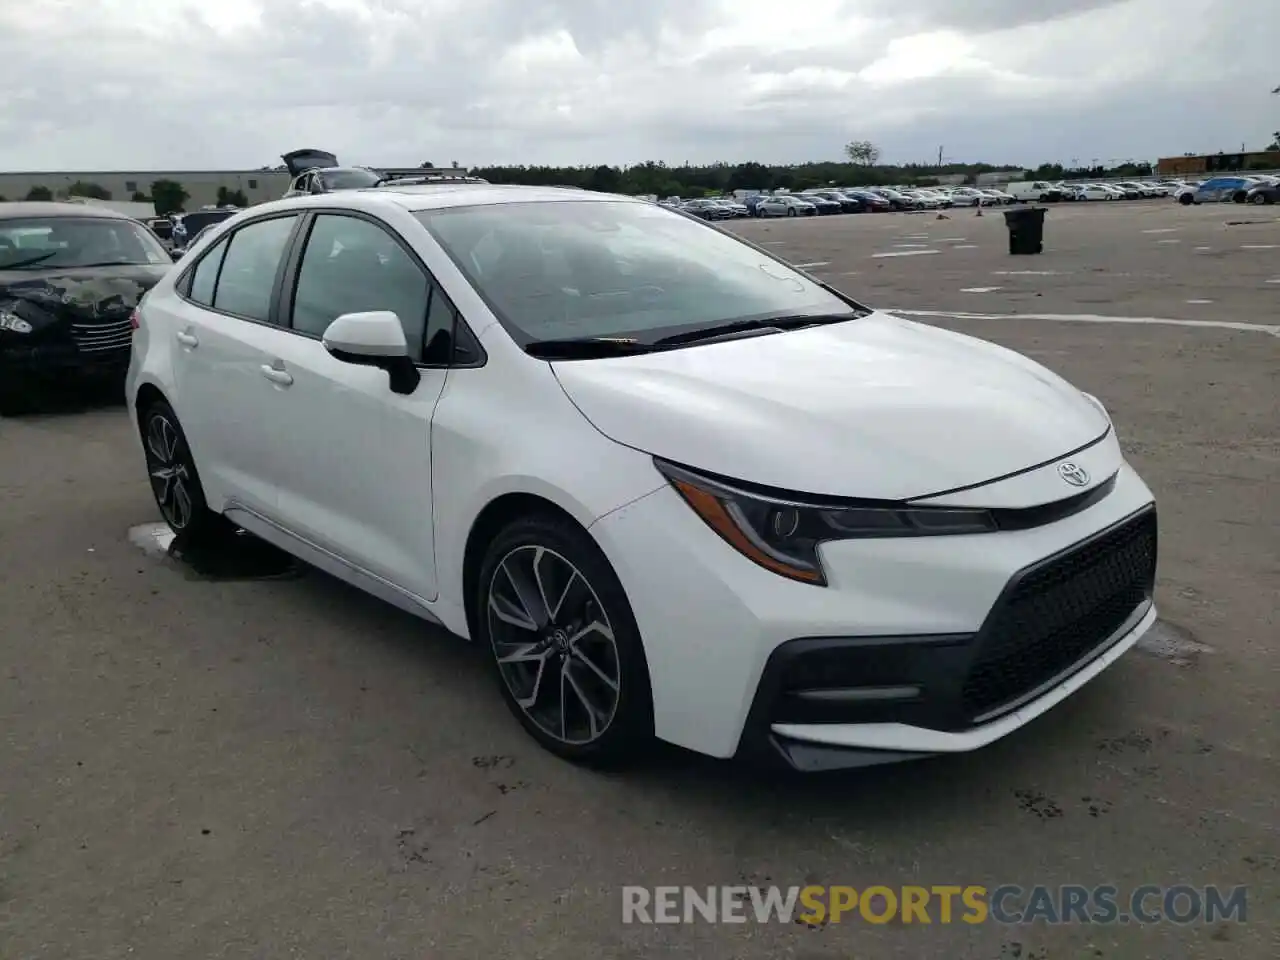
x: 45, y: 243
x: 575, y: 269
x: 352, y: 266
x: 249, y: 268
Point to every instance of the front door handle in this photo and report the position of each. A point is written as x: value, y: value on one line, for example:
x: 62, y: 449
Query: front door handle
x: 188, y: 339
x: 277, y: 376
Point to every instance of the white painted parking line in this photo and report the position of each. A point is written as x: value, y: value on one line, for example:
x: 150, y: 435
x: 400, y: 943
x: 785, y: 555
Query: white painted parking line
x: 771, y: 243
x: 1203, y: 249
x: 965, y: 246
x: 914, y: 236
x: 1276, y: 280
x: 950, y: 239
x: 1258, y: 246
x: 901, y: 253
x: 1199, y: 301
x: 1168, y: 241
x: 1272, y: 329
x: 911, y: 245
x: 1025, y: 273
x: 816, y: 263
x: 1163, y: 230
x: 980, y: 289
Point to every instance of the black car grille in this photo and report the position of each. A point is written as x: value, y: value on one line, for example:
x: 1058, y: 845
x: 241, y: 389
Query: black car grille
x: 1061, y: 611
x: 106, y: 336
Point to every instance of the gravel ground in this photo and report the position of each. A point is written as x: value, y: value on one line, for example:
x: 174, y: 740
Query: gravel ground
x: 196, y: 766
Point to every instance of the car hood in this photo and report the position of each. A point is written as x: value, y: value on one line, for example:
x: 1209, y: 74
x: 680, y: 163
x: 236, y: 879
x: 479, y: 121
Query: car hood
x: 300, y: 161
x: 881, y: 408
x: 81, y: 294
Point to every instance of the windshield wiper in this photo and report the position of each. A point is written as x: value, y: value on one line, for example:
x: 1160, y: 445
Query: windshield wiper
x: 30, y: 261
x: 750, y: 326
x: 587, y: 348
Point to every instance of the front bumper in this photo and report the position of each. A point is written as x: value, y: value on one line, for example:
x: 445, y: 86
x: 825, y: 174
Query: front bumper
x: 53, y: 357
x: 918, y: 646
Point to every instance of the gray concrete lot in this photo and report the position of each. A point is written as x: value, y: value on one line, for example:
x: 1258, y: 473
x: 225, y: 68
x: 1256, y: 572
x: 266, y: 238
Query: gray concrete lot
x: 192, y: 767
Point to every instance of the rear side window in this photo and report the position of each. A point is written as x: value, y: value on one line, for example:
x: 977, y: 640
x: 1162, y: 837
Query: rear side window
x: 205, y: 275
x: 249, y: 268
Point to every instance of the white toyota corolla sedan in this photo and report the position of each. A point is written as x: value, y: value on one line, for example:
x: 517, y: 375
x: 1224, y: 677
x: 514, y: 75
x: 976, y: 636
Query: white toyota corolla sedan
x: 675, y: 487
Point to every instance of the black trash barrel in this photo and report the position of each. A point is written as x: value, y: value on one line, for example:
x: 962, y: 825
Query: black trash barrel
x: 1026, y: 230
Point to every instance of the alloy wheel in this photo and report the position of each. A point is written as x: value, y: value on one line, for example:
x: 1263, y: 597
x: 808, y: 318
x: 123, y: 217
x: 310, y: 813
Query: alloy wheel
x: 554, y: 644
x: 169, y: 472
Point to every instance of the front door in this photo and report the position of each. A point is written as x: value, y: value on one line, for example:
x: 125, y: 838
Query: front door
x: 225, y: 336
x: 356, y: 479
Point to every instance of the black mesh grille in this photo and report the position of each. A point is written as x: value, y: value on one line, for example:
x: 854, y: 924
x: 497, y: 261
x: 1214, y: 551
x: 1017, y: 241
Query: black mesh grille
x: 1060, y: 612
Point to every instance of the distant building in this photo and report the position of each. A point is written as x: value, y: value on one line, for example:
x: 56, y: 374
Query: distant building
x: 999, y: 176
x: 1218, y: 163
x: 258, y: 186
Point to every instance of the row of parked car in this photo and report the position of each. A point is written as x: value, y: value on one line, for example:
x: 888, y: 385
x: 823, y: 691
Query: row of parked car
x: 831, y: 200
x: 1259, y: 189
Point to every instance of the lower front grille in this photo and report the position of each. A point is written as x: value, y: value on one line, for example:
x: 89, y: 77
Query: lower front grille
x: 1059, y: 612
x: 110, y: 335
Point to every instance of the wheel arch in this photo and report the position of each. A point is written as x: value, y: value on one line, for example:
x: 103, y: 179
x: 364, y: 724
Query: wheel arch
x: 489, y: 522
x: 147, y: 394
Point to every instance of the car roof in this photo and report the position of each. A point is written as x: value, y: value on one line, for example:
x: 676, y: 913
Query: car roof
x: 45, y: 208
x: 434, y: 196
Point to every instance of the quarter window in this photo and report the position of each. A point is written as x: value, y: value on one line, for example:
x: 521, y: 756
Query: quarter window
x: 351, y: 266
x: 249, y: 268
x: 205, y: 275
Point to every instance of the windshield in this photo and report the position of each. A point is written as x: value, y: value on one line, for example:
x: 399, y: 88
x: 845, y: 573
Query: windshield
x: 349, y: 179
x: 573, y: 269
x: 46, y: 243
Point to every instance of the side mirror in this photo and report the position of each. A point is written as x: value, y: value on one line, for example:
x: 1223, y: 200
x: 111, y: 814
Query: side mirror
x: 176, y: 254
x: 374, y: 339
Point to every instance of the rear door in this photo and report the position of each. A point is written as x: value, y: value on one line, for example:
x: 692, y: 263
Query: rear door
x: 227, y: 334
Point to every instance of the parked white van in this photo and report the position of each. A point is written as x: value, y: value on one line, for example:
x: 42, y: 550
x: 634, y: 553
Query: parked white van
x: 1033, y: 191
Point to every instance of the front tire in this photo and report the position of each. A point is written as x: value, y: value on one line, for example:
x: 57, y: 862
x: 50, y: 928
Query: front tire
x: 1185, y: 200
x: 563, y: 643
x: 175, y: 482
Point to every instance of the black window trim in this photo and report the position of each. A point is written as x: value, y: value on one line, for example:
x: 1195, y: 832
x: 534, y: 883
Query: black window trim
x: 288, y: 287
x: 183, y: 284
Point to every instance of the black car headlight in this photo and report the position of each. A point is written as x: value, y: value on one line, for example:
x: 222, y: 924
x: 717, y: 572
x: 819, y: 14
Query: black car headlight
x: 13, y: 323
x: 782, y: 533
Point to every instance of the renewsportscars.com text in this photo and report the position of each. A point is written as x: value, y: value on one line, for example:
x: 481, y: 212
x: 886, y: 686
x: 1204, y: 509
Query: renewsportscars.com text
x: 944, y: 904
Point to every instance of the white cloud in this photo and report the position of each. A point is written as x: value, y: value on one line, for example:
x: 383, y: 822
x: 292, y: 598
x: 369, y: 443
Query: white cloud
x: 126, y: 84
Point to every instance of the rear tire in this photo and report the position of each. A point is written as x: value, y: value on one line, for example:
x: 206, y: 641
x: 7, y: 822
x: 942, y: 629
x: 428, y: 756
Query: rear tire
x: 791, y: 211
x: 1185, y: 200
x: 563, y: 643
x: 1260, y: 198
x: 175, y: 482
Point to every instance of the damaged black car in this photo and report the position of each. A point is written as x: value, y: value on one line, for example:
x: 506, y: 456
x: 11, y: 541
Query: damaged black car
x: 70, y: 277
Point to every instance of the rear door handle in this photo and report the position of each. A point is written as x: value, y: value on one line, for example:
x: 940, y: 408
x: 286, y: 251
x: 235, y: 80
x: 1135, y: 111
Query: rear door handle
x: 188, y: 340
x: 277, y: 376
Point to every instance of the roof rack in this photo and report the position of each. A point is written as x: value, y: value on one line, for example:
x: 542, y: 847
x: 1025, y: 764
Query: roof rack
x: 418, y: 179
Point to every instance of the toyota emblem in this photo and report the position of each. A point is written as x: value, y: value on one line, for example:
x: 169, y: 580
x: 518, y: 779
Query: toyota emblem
x: 1073, y: 473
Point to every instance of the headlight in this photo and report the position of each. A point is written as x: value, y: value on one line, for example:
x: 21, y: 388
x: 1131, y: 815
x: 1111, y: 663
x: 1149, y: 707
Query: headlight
x: 782, y: 534
x: 13, y: 322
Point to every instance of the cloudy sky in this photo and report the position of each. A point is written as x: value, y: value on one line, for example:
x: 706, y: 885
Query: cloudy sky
x: 172, y: 84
